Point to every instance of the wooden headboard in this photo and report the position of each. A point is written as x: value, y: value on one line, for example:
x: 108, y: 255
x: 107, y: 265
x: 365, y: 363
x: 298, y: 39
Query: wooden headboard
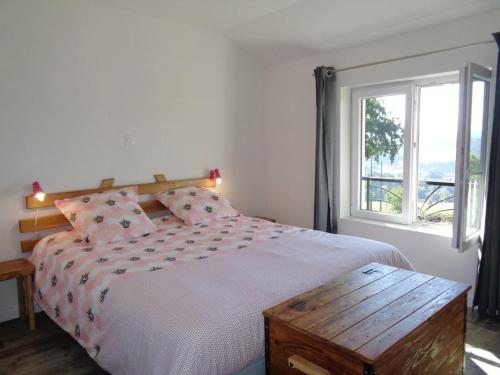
x: 59, y: 220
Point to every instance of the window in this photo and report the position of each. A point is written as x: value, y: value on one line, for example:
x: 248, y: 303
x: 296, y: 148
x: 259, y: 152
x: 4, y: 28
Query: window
x: 409, y: 166
x: 381, y: 158
x: 437, y: 114
x: 471, y: 156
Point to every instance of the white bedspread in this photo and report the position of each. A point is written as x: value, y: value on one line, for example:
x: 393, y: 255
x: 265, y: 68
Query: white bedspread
x: 206, y: 317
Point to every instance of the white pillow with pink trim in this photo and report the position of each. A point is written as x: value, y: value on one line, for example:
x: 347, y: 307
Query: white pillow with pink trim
x: 196, y: 205
x: 106, y: 217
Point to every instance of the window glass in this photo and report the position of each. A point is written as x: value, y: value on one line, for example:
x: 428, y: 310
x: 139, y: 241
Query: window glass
x: 437, y: 134
x: 382, y: 154
x: 476, y: 164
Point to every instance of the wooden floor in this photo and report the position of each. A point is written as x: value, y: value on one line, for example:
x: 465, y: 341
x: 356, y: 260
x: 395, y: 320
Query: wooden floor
x: 46, y: 350
x: 49, y: 350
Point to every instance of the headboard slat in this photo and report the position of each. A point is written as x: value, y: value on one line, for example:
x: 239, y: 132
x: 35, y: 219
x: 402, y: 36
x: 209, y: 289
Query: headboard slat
x: 107, y: 182
x: 59, y: 220
x: 28, y: 245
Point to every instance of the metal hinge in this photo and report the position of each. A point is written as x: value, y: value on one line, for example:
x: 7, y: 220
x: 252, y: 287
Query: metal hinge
x: 298, y: 305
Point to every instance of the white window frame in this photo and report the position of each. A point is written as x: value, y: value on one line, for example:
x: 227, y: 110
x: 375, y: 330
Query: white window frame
x: 418, y: 85
x: 410, y: 173
x: 460, y: 239
x: 357, y: 94
x: 412, y: 91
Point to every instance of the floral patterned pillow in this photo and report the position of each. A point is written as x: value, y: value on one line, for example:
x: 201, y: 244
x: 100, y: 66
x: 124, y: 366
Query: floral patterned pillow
x: 196, y: 205
x: 111, y: 216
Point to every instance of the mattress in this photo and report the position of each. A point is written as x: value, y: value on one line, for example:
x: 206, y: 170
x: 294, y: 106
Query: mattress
x: 188, y: 299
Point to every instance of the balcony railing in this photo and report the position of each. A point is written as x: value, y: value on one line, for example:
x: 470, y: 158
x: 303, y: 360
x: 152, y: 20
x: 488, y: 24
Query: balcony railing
x: 435, y: 198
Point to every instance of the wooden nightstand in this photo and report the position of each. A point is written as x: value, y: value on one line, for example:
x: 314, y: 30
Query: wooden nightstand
x: 22, y: 270
x: 272, y: 220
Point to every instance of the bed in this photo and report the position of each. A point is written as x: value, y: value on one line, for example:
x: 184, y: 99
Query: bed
x: 188, y: 299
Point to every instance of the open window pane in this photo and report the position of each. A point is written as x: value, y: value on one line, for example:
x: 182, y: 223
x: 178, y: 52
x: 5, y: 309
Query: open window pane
x: 438, y: 123
x: 476, y: 162
x: 471, y: 157
x: 383, y: 125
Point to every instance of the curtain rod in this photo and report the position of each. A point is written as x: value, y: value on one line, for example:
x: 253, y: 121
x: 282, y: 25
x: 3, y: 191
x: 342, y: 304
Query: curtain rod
x: 412, y: 56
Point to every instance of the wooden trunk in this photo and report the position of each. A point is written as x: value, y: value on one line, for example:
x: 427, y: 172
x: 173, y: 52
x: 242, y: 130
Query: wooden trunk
x: 375, y: 320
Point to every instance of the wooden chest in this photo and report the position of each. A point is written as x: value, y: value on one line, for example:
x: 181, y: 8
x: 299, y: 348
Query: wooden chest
x: 374, y: 320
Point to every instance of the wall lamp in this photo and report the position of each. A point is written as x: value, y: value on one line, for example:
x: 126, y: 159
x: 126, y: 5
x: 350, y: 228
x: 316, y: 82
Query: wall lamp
x: 37, y: 191
x: 215, y: 176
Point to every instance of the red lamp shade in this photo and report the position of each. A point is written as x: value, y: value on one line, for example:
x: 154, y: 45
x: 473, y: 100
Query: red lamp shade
x: 215, y: 176
x: 37, y: 191
x: 217, y: 173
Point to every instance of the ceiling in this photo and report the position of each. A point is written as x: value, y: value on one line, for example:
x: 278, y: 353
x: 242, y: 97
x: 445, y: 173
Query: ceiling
x: 276, y: 31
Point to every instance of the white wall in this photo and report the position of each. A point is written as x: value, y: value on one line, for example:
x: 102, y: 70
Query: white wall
x: 290, y: 131
x: 76, y: 76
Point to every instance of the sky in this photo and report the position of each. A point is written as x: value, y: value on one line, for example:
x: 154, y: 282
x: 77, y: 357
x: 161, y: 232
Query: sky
x: 437, y: 122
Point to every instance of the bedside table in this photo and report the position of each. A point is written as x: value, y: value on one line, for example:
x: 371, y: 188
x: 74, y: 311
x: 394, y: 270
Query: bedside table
x: 22, y: 270
x: 272, y: 220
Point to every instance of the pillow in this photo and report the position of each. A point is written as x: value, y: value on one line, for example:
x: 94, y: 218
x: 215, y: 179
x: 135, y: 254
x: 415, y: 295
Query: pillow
x: 196, y: 205
x: 111, y: 216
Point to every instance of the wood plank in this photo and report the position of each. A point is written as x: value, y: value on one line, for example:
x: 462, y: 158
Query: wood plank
x: 151, y: 207
x: 307, y: 367
x: 266, y: 218
x: 43, y: 223
x: 334, y: 326
x: 328, y: 311
x: 21, y: 297
x: 15, y: 268
x: 286, y: 342
x: 160, y: 178
x: 376, y: 347
x: 147, y: 188
x: 28, y: 282
x: 29, y: 245
x: 434, y: 348
x: 59, y: 220
x: 373, y: 325
x: 47, y: 350
x: 107, y: 182
x: 450, y: 347
x: 328, y: 292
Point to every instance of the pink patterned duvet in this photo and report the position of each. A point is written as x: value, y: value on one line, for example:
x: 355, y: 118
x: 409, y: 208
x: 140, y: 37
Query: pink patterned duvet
x: 187, y: 299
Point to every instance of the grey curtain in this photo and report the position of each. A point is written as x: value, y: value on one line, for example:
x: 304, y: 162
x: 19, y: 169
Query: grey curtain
x: 487, y: 295
x: 325, y: 216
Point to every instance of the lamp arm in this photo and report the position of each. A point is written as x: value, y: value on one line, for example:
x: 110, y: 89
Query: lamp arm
x: 36, y: 220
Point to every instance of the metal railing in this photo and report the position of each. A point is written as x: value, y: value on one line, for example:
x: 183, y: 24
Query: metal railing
x: 383, y: 194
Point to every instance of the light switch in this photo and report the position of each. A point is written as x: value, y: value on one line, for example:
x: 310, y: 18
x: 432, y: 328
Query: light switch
x: 129, y: 140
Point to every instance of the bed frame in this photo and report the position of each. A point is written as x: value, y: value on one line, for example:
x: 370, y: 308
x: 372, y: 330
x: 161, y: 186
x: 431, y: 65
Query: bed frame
x: 59, y: 220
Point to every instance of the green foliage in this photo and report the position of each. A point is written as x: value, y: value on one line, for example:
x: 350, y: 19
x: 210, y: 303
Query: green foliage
x: 474, y: 163
x: 395, y: 198
x: 383, y: 133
